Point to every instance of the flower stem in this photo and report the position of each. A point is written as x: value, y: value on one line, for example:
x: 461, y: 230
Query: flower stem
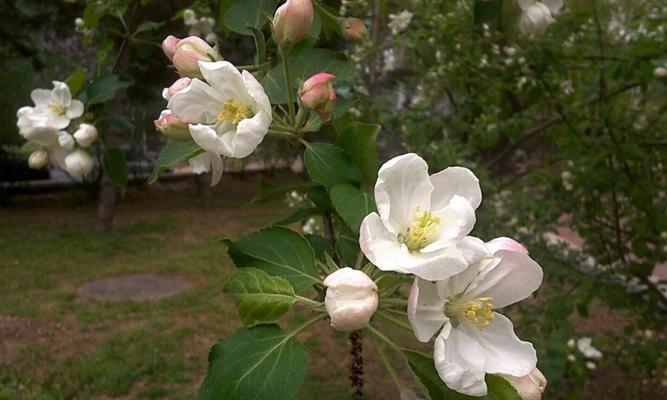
x: 306, y: 325
x: 382, y: 337
x: 393, y: 320
x: 288, y: 82
x: 387, y: 364
x: 308, y: 301
x: 398, y: 302
x: 357, y: 364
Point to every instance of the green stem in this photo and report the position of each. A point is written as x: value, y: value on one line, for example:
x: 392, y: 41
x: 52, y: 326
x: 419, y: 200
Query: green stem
x: 399, y: 302
x: 325, y: 11
x: 393, y: 320
x: 288, y: 82
x: 308, y: 301
x: 392, y: 372
x: 382, y: 337
x: 306, y: 325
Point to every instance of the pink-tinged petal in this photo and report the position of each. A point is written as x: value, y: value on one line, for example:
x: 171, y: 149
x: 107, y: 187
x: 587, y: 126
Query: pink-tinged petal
x: 503, y: 351
x: 459, y: 360
x: 426, y: 309
x: 455, y: 181
x: 514, y: 278
x: 169, y: 46
x: 318, y: 79
x: 403, y: 188
x: 505, y: 243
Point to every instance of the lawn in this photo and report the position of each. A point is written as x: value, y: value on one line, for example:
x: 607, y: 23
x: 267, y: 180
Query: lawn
x: 55, y: 344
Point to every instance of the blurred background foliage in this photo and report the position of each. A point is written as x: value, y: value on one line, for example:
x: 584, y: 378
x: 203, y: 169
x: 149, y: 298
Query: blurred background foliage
x: 565, y: 130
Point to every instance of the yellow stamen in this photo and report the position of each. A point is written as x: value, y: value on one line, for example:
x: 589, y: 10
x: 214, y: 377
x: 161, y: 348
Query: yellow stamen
x: 423, y: 228
x: 234, y: 112
x: 478, y: 311
x: 57, y: 108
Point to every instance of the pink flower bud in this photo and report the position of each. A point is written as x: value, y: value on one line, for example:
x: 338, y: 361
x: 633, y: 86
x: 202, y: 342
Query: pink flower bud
x: 169, y: 46
x: 189, y: 52
x: 318, y: 94
x: 529, y: 387
x: 176, y: 87
x: 172, y: 126
x: 292, y: 21
x: 353, y: 29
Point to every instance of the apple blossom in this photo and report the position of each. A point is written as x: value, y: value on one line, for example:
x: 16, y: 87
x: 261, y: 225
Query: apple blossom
x: 172, y: 126
x: 229, y: 114
x: 292, y: 21
x: 208, y: 161
x: 585, y: 346
x: 660, y: 72
x: 78, y: 163
x: 35, y: 128
x: 538, y: 15
x: 53, y: 111
x: 176, y: 87
x: 351, y: 299
x: 186, y: 53
x: 38, y: 159
x: 353, y: 29
x: 474, y: 339
x: 85, y: 135
x: 318, y: 94
x: 420, y: 218
x: 529, y: 387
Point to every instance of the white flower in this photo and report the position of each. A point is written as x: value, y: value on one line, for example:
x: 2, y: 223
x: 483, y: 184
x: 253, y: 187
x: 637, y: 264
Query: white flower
x: 189, y: 17
x: 585, y: 346
x: 85, y: 135
x: 538, y: 15
x: 420, y: 218
x: 590, y: 365
x: 529, y: 387
x: 660, y: 72
x: 78, y: 163
x: 38, y: 159
x: 53, y: 108
x: 399, y: 22
x: 65, y: 140
x: 34, y: 128
x: 229, y: 114
x: 571, y: 343
x: 208, y: 161
x: 475, y: 340
x: 571, y: 358
x: 351, y: 299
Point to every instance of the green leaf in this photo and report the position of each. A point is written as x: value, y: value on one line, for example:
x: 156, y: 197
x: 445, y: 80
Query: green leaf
x: 148, y: 26
x: 388, y: 283
x: 244, y: 15
x: 260, y: 298
x: 329, y: 165
x: 488, y: 12
x: 320, y: 245
x: 351, y: 204
x: 358, y: 140
x: 434, y: 388
x: 171, y: 154
x: 347, y: 246
x: 268, y: 192
x: 262, y: 363
x: 298, y: 216
x: 260, y: 46
x: 77, y: 80
x: 104, y: 88
x: 302, y: 66
x: 115, y: 166
x: 280, y: 252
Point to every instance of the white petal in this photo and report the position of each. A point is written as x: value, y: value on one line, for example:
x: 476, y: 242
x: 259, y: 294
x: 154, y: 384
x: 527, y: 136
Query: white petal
x: 201, y: 163
x: 75, y: 109
x: 41, y: 97
x: 504, y: 352
x: 524, y: 4
x: 208, y: 139
x: 256, y: 91
x: 249, y: 134
x: 61, y: 94
x: 474, y: 251
x: 196, y: 104
x: 402, y: 187
x: 224, y: 78
x: 456, y: 221
x: 426, y: 309
x: 460, y: 360
x: 455, y: 181
x: 350, y: 277
x: 505, y: 243
x: 514, y: 278
x: 217, y: 167
x: 554, y: 5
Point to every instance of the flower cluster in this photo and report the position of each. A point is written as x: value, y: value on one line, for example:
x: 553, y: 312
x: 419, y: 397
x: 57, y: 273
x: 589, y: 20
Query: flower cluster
x: 422, y: 228
x: 202, y: 26
x: 45, y: 125
x: 225, y: 111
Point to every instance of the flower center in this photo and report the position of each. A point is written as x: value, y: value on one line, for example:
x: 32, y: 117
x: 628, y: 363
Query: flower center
x: 234, y: 112
x: 478, y: 311
x: 56, y: 108
x: 423, y: 228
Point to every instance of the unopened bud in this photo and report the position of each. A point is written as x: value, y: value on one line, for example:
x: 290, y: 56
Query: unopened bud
x: 189, y: 52
x: 176, y: 87
x: 292, y: 21
x: 529, y: 387
x: 78, y: 163
x: 351, y: 299
x: 172, y: 126
x: 169, y: 46
x: 38, y: 159
x: 85, y: 135
x: 660, y: 72
x: 318, y: 94
x: 354, y: 29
